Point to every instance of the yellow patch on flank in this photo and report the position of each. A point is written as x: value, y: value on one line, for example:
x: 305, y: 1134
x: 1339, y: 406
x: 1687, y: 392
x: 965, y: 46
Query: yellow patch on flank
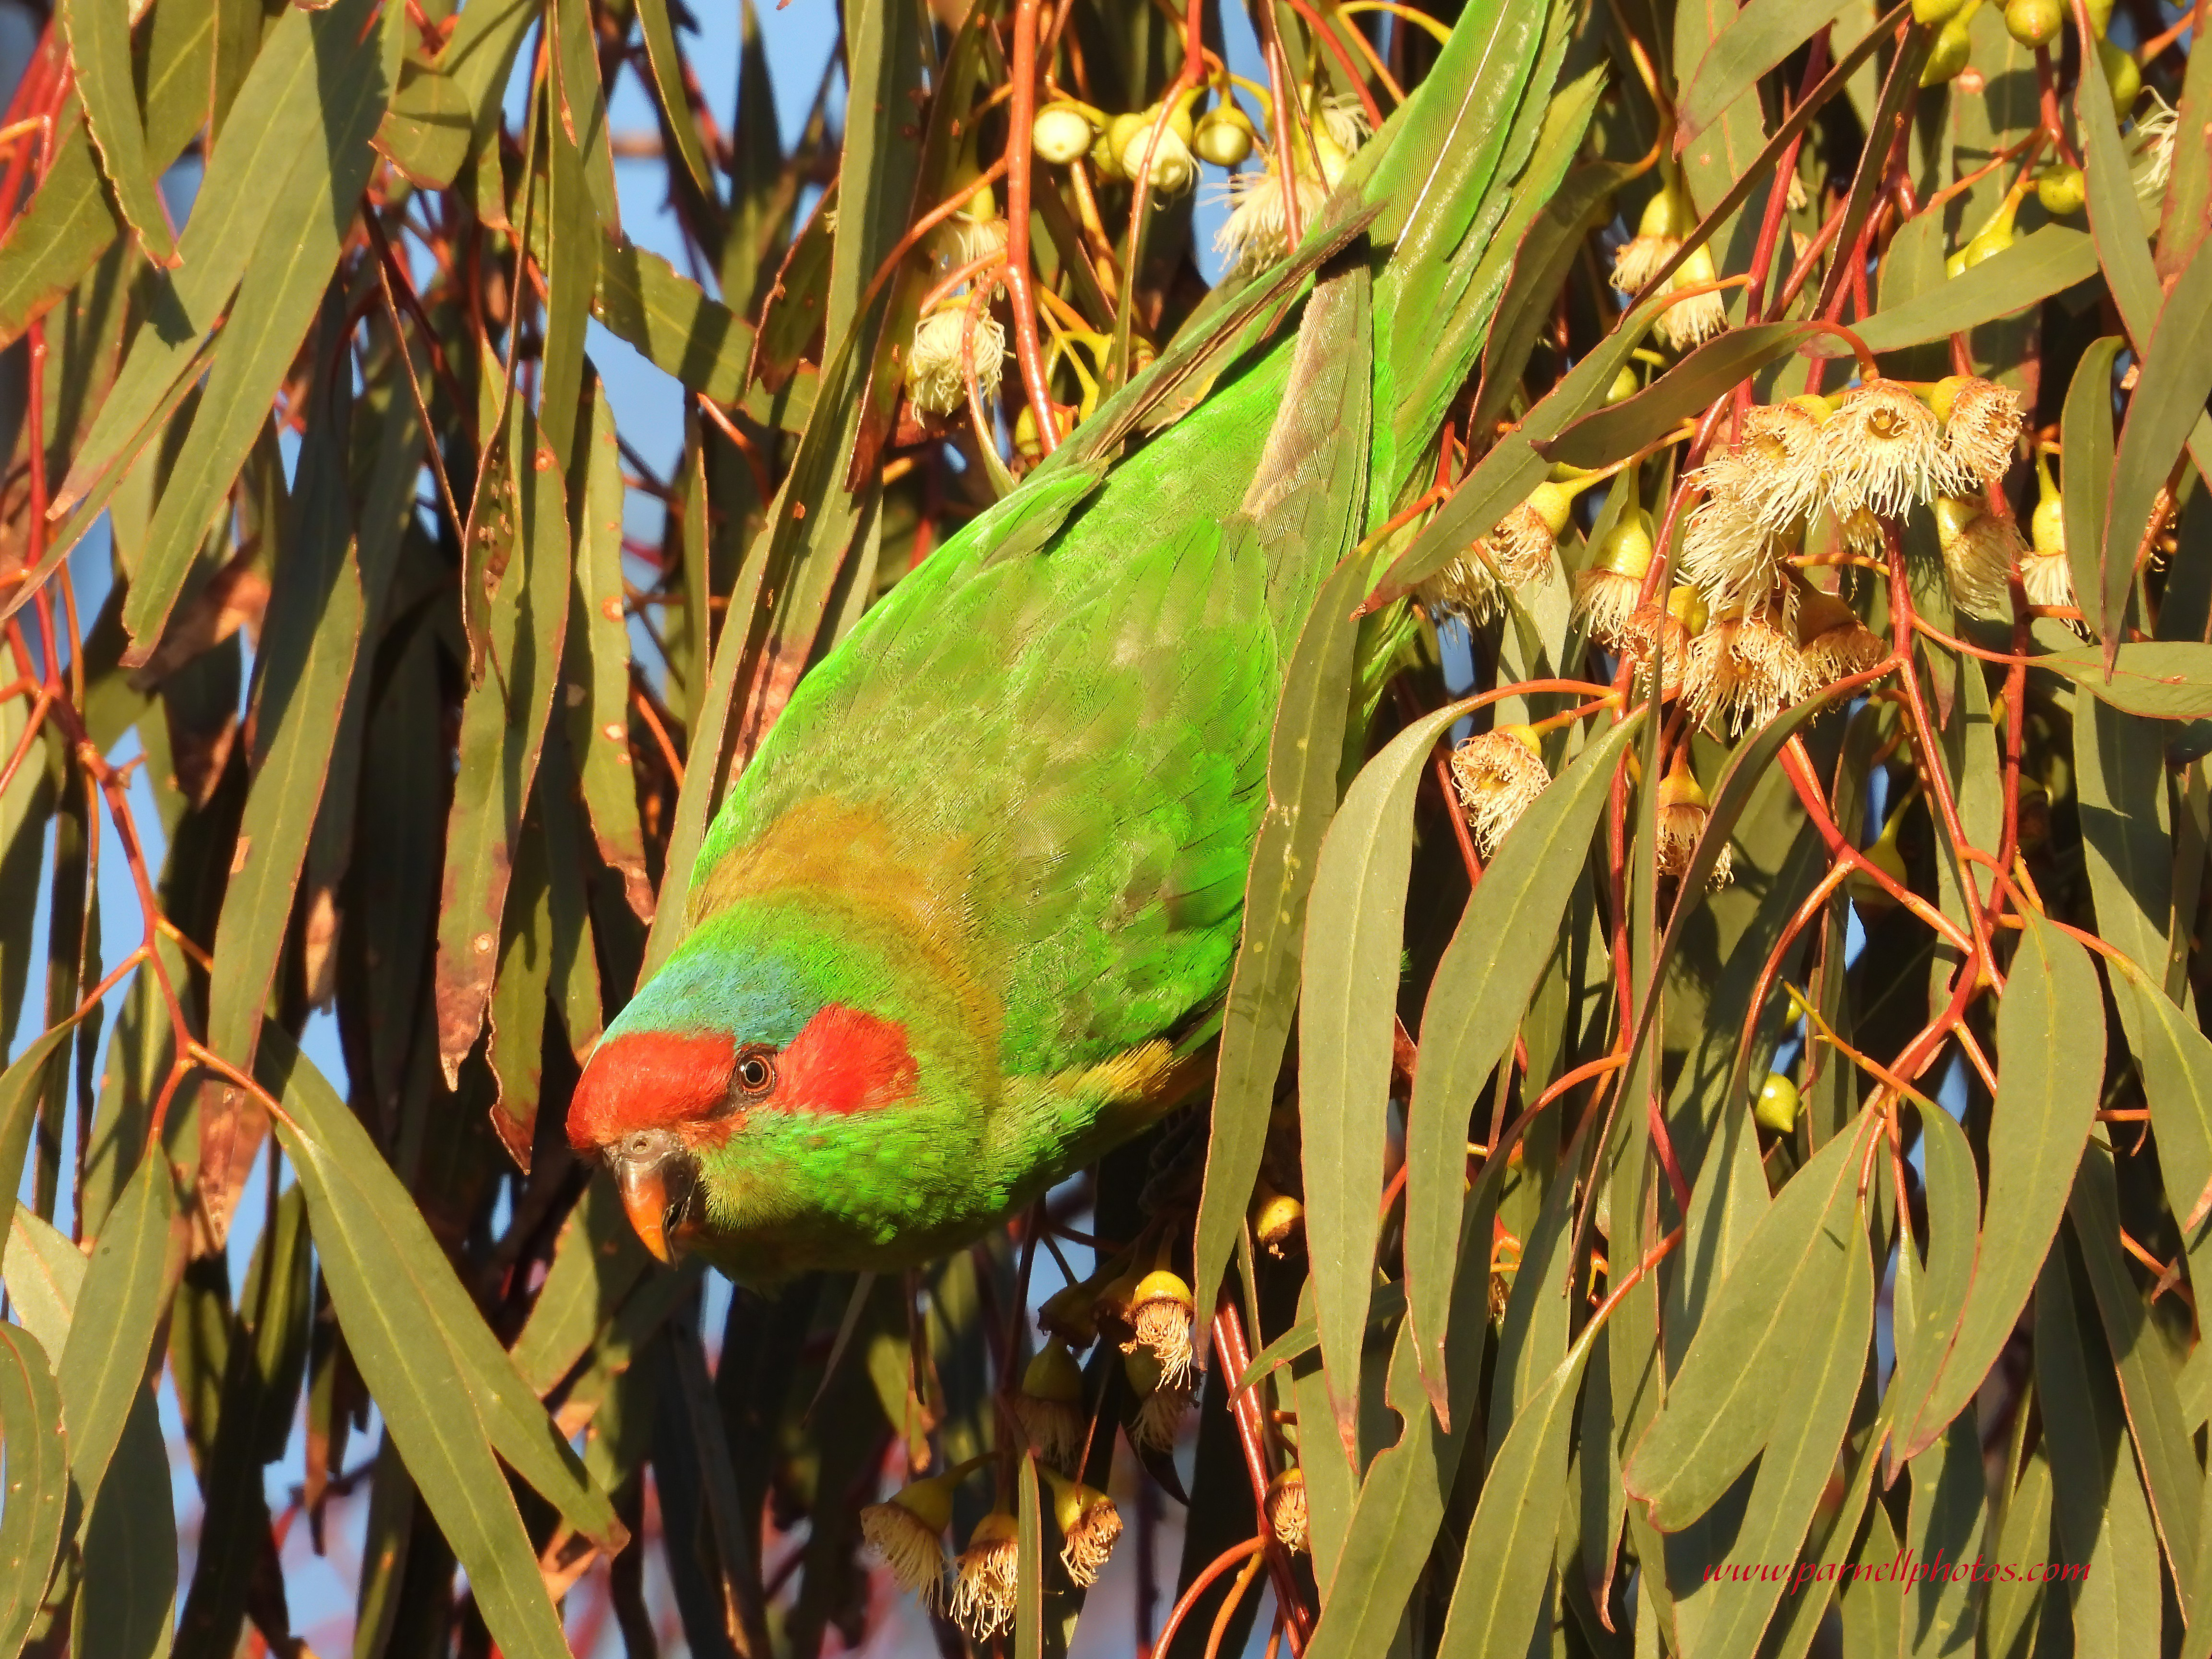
x: 1151, y: 1072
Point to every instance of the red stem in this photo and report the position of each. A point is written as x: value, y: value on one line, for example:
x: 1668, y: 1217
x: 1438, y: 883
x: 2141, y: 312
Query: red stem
x: 1232, y: 1353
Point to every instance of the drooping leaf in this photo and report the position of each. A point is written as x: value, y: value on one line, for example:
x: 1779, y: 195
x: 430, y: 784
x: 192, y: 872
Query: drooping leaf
x: 503, y: 727
x: 1727, y: 1400
x: 1499, y: 1596
x: 1304, y: 750
x: 2085, y: 431
x: 1480, y: 988
x: 2167, y: 406
x: 1400, y: 1501
x: 38, y: 1482
x: 102, y: 1368
x: 2050, y: 1060
x: 2101, y: 1520
x: 1353, y: 922
x: 2164, y: 1444
x: 100, y: 52
x: 369, y: 1234
x: 1750, y: 43
x: 1730, y: 1615
x: 267, y: 224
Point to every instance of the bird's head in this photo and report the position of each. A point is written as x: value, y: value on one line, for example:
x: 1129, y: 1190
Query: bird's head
x: 758, y: 1012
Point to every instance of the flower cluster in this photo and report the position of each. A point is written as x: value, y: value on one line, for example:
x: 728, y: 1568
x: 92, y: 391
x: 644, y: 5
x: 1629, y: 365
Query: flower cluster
x: 978, y: 1588
x: 1695, y: 317
x: 1863, y: 461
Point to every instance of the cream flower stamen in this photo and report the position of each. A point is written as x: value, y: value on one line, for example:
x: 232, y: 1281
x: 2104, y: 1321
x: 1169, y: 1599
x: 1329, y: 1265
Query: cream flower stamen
x: 1160, y: 1315
x: 1981, y: 429
x: 1467, y: 586
x: 1089, y: 1527
x: 1726, y: 551
x: 1882, y: 450
x: 987, y: 1576
x: 1049, y: 1405
x: 936, y: 374
x: 1979, y: 550
x: 1258, y: 230
x: 1607, y: 594
x: 1498, y: 775
x: 2048, y: 580
x: 1835, y: 643
x: 1658, y: 237
x: 1746, y: 667
x: 907, y: 1534
x: 1161, y: 1405
x: 1287, y: 1516
x: 1665, y: 631
x: 1780, y: 458
x: 1682, y: 812
x: 1692, y: 320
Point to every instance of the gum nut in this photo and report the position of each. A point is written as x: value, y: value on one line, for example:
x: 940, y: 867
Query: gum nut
x: 1103, y: 161
x: 2062, y: 190
x: 2033, y: 22
x: 1061, y: 134
x: 1988, y: 245
x: 1224, y: 137
x: 2046, y: 526
x: 2121, y: 75
x: 1777, y: 1107
x: 1952, y: 46
x: 1933, y: 14
x: 1624, y: 385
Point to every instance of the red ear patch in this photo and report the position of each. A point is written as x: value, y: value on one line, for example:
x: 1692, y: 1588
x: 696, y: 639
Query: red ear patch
x: 845, y: 1061
x: 649, y: 1080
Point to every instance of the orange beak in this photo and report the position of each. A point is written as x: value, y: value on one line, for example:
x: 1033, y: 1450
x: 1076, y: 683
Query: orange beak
x: 644, y: 1188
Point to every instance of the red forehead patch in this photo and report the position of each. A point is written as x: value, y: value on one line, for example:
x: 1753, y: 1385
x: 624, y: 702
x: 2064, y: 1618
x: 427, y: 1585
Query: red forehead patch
x: 649, y: 1080
x: 845, y: 1061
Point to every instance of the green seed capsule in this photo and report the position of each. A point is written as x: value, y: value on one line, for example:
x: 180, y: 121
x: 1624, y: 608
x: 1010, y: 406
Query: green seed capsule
x: 1777, y: 1105
x: 2062, y: 190
x: 1954, y: 45
x: 1061, y: 134
x: 2121, y: 75
x: 1224, y: 137
x: 2033, y: 22
x: 1934, y: 14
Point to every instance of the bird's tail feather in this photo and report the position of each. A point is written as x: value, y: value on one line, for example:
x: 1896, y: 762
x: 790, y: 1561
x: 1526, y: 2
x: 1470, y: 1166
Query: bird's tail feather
x: 1456, y: 178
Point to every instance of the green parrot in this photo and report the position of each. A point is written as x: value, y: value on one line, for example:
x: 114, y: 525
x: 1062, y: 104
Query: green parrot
x: 968, y: 918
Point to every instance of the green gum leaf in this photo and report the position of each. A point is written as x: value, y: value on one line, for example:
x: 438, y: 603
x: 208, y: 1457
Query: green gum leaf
x: 1481, y: 985
x: 2051, y: 1056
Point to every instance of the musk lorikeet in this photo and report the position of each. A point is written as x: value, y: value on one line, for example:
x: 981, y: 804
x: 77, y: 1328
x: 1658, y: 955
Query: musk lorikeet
x: 967, y: 920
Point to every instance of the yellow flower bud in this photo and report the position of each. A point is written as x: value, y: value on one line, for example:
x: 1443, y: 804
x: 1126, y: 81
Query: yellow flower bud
x: 1224, y: 137
x: 1777, y: 1105
x: 1948, y: 54
x: 2122, y: 73
x: 1061, y: 134
x: 2062, y: 190
x: 2033, y: 23
x: 1279, y: 1220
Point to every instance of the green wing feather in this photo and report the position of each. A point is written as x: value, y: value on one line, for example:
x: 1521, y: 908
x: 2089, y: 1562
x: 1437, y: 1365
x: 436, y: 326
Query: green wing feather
x: 1093, y: 718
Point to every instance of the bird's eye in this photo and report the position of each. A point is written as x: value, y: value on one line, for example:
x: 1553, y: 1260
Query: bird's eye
x: 755, y: 1073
